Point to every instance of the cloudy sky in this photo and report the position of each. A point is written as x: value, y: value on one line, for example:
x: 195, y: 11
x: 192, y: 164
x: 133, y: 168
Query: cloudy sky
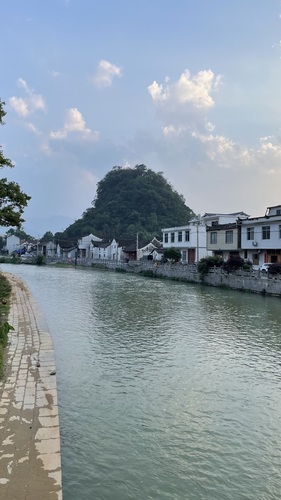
x: 189, y: 88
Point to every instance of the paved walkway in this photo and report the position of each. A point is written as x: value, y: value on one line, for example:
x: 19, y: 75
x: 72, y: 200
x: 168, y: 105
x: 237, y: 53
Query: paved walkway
x: 30, y: 460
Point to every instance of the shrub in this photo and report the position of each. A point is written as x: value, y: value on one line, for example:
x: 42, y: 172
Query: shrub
x: 275, y: 268
x: 233, y: 264
x: 40, y: 261
x: 207, y: 263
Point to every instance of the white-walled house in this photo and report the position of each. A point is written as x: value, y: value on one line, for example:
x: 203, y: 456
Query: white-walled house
x: 12, y: 244
x: 49, y: 248
x: 189, y: 239
x: 150, y: 249
x: 261, y: 237
x: 85, y: 245
x: 214, y: 219
x: 105, y: 250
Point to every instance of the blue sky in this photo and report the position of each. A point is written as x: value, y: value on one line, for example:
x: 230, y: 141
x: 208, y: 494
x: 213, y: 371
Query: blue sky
x: 188, y: 88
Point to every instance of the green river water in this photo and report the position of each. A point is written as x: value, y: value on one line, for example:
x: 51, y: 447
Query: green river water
x: 166, y: 390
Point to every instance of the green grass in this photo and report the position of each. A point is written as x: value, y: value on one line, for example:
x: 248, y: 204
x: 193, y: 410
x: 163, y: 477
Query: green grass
x: 5, y: 293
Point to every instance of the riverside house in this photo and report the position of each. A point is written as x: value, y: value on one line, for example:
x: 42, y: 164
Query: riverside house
x: 261, y: 237
x: 189, y: 239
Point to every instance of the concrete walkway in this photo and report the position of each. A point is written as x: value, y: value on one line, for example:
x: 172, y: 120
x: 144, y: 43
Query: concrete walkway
x: 30, y: 460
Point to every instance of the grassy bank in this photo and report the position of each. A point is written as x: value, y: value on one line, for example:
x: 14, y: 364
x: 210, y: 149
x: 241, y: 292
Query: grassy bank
x: 5, y: 293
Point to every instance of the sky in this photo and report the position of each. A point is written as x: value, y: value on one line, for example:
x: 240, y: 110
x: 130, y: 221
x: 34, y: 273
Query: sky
x: 188, y: 88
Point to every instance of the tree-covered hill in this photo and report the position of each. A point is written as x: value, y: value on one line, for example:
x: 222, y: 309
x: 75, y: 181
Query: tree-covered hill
x: 130, y: 201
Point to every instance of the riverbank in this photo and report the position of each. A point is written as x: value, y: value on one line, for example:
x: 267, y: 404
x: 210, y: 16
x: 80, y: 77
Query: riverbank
x: 252, y: 281
x: 30, y: 461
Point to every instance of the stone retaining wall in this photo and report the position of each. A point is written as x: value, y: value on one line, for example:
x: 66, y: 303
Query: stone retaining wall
x: 250, y: 281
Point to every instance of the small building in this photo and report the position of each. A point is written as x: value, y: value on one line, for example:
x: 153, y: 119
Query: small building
x: 189, y: 239
x: 106, y: 250
x: 12, y: 244
x: 224, y: 240
x: 85, y: 245
x: 149, y: 248
x: 261, y: 237
x: 223, y: 233
x: 67, y: 249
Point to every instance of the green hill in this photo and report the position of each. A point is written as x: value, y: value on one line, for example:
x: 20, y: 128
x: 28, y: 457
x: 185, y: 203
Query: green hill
x: 130, y: 201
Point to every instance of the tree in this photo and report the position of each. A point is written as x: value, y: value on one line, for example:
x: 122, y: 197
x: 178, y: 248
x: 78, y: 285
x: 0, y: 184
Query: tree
x: 12, y: 199
x: 173, y: 254
x: 20, y: 233
x: 130, y: 201
x: 48, y: 236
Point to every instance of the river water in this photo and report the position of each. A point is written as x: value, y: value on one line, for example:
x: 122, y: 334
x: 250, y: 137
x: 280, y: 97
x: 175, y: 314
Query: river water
x: 166, y: 390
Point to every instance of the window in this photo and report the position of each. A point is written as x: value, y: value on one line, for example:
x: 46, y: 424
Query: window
x: 229, y: 236
x: 166, y: 237
x: 215, y: 222
x: 183, y: 256
x: 278, y: 211
x: 279, y: 231
x: 265, y: 232
x: 250, y: 233
x: 213, y: 238
x: 187, y: 234
x: 180, y: 236
x: 172, y: 237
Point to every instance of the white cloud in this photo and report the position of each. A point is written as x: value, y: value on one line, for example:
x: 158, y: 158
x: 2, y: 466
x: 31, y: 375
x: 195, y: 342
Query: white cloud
x: 188, y: 91
x: 27, y: 105
x: 226, y: 153
x: 171, y: 130
x: 33, y: 129
x: 105, y: 73
x: 19, y: 105
x: 74, y: 123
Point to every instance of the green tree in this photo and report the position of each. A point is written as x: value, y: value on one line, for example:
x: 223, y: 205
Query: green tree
x: 20, y: 234
x: 130, y: 201
x: 173, y: 254
x: 48, y: 236
x: 12, y: 199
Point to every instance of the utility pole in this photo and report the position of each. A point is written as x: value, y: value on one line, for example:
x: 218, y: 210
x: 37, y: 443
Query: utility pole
x: 137, y: 246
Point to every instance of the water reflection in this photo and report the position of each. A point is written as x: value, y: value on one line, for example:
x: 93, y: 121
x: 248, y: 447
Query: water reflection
x: 166, y: 390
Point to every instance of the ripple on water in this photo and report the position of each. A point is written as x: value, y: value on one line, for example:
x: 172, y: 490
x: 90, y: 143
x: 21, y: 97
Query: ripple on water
x: 166, y: 390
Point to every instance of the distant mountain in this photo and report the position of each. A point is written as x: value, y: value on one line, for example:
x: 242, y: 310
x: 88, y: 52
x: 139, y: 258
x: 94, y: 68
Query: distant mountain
x: 132, y: 201
x: 37, y: 226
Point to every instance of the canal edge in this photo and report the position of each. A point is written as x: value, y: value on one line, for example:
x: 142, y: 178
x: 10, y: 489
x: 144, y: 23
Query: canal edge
x: 30, y: 465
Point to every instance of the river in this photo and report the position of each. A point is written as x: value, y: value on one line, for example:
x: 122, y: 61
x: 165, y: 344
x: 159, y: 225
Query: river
x: 166, y: 390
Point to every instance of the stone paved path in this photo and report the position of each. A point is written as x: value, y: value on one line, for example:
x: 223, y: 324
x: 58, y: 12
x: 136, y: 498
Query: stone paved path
x: 30, y: 460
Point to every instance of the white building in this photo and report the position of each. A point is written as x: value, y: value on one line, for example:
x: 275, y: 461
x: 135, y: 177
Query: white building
x: 13, y: 244
x: 85, y: 245
x: 150, y: 249
x: 215, y: 219
x: 106, y: 250
x: 189, y: 239
x: 261, y: 237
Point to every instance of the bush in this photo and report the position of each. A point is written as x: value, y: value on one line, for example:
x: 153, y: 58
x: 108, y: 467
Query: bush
x: 275, y: 268
x: 40, y: 261
x: 207, y: 263
x: 233, y: 264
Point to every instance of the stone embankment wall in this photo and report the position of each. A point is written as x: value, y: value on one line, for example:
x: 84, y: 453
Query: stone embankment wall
x: 249, y: 281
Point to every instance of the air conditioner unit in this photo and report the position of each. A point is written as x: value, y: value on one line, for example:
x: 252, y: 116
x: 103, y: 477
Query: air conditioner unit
x: 254, y: 243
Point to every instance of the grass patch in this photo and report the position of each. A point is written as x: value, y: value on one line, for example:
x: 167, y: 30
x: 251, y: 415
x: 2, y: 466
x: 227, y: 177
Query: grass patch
x: 5, y: 293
